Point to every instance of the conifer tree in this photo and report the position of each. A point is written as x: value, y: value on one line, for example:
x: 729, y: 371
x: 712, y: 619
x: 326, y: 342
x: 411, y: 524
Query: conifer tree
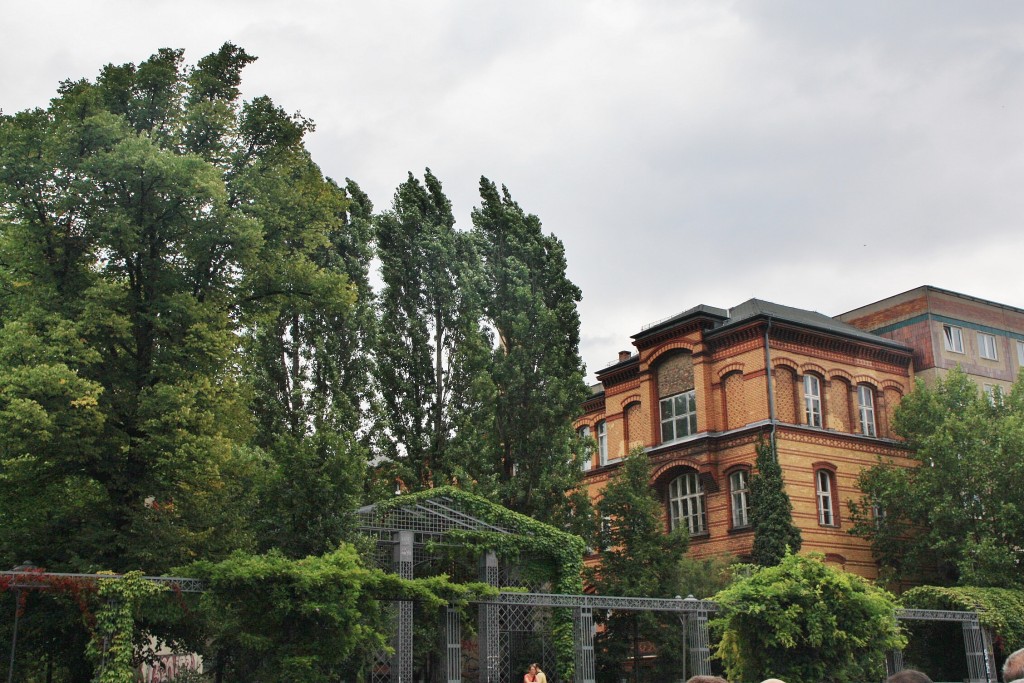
x: 771, y: 512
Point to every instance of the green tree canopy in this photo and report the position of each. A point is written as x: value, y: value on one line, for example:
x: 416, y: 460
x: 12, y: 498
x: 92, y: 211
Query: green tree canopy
x: 952, y: 519
x: 536, y: 371
x: 804, y: 622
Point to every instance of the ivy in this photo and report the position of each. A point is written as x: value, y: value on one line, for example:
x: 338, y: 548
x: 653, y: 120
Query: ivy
x: 999, y: 609
x: 112, y: 644
x: 559, y: 554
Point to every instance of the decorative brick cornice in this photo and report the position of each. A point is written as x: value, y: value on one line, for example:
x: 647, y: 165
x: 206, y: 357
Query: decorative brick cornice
x: 644, y: 342
x: 828, y: 438
x: 619, y: 373
x: 841, y: 350
x: 811, y: 342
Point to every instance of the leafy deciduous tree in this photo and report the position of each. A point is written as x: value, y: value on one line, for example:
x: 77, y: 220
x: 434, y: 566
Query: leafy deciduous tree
x: 954, y: 518
x: 431, y: 347
x: 536, y: 369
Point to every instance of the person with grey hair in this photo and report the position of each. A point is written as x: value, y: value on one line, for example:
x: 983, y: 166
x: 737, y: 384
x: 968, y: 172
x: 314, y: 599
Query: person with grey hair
x: 1013, y: 667
x: 908, y: 676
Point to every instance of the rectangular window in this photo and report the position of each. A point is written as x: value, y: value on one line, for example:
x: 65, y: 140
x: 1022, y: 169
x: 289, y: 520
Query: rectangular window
x: 1020, y: 353
x: 954, y: 338
x: 588, y: 448
x: 739, y: 491
x: 602, y: 442
x: 825, y: 514
x: 678, y: 416
x: 866, y: 404
x: 987, y: 346
x: 990, y: 393
x: 812, y: 400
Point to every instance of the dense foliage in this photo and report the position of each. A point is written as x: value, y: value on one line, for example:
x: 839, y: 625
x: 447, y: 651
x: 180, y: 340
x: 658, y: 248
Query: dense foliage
x: 999, y: 609
x: 771, y: 512
x: 193, y: 362
x: 276, y: 620
x: 954, y: 519
x: 805, y: 622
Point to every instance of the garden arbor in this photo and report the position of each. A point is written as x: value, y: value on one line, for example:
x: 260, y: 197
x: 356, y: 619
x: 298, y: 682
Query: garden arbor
x: 450, y: 531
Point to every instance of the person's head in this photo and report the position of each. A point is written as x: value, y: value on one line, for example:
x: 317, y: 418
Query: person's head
x: 534, y: 668
x: 908, y: 676
x: 1013, y: 667
x: 706, y: 679
x: 773, y: 680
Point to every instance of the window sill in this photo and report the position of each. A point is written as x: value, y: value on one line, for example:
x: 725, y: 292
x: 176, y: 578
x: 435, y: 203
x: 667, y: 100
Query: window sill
x: 740, y: 530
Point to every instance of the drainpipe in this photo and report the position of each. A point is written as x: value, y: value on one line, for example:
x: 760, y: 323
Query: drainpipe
x: 768, y: 374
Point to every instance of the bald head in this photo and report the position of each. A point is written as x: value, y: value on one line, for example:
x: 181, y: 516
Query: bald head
x: 1013, y: 667
x: 908, y: 676
x: 773, y: 680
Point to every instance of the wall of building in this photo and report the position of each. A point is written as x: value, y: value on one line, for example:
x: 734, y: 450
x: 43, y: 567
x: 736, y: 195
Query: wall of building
x: 730, y: 383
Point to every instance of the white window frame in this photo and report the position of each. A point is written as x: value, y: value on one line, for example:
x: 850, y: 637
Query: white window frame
x: 987, y: 346
x: 602, y: 442
x: 953, y: 337
x: 990, y: 393
x: 823, y: 487
x: 866, y: 408
x: 686, y: 502
x: 812, y: 400
x: 1020, y: 353
x: 739, y: 495
x: 678, y: 416
x: 588, y: 453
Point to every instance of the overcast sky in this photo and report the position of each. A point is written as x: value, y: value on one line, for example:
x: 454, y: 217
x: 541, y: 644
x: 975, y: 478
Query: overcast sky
x: 821, y: 155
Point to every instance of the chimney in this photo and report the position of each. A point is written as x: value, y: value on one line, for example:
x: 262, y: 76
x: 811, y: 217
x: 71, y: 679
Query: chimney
x: 624, y: 355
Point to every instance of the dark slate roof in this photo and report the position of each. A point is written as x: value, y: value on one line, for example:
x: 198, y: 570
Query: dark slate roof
x: 701, y: 310
x: 756, y: 308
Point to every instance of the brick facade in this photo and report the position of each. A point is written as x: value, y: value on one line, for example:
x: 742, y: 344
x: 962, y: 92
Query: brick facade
x: 723, y: 358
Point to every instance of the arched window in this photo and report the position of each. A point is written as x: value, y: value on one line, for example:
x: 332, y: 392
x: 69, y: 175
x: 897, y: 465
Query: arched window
x: 866, y: 408
x: 739, y: 496
x: 588, y: 449
x: 812, y: 401
x: 602, y: 442
x: 826, y: 491
x: 686, y: 503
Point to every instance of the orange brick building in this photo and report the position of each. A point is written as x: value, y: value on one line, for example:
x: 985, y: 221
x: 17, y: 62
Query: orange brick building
x: 698, y: 395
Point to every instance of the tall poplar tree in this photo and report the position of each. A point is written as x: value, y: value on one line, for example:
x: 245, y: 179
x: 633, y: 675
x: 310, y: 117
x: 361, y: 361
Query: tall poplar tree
x: 536, y: 369
x: 431, y: 349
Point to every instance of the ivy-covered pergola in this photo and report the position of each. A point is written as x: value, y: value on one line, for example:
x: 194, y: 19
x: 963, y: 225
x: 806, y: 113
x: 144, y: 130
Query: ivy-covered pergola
x: 541, y: 564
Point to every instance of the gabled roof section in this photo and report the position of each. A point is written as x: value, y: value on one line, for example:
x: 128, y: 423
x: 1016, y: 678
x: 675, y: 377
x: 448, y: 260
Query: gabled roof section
x: 756, y: 309
x: 435, y: 513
